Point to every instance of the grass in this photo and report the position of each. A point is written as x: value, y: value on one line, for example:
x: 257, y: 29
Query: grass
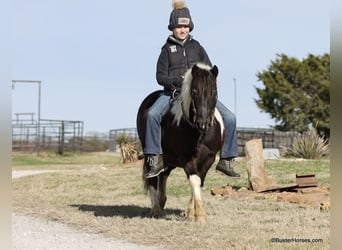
x: 285, y: 171
x: 97, y: 193
x: 49, y: 160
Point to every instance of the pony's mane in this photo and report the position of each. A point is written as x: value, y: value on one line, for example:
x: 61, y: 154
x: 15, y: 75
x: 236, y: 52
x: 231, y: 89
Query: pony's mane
x: 182, y: 103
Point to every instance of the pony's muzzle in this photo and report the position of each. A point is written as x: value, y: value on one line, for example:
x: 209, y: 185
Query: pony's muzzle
x: 203, y: 126
x: 204, y: 123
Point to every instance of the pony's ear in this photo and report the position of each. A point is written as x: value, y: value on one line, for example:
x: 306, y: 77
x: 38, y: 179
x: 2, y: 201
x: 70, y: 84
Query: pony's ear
x: 214, y: 71
x: 194, y: 69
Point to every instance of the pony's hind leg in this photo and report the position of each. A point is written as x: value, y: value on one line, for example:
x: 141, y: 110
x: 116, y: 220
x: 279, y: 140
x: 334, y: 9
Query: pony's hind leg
x: 151, y: 185
x: 156, y: 210
x: 195, y: 183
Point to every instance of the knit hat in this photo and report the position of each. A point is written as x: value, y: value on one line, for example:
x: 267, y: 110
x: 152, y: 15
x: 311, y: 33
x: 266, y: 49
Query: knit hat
x: 180, y: 15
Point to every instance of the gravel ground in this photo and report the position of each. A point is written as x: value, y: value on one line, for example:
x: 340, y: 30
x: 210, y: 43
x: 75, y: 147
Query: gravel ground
x: 30, y: 233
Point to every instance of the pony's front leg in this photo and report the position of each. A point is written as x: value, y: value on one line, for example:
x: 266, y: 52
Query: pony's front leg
x: 191, y: 208
x: 199, y: 212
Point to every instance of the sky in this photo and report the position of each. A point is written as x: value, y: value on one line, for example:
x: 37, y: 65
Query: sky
x: 96, y: 60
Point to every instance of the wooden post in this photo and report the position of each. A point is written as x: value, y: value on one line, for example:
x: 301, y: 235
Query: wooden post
x: 255, y: 165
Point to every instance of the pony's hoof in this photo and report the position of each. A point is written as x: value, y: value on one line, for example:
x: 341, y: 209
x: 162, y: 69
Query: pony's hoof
x: 157, y: 214
x: 201, y: 219
x: 190, y: 214
x: 191, y: 218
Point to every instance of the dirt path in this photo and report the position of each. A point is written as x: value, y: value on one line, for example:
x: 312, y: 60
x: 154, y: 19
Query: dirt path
x: 33, y: 233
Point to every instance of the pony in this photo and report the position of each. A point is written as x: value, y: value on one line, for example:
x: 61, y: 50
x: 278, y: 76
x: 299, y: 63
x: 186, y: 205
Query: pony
x: 192, y: 134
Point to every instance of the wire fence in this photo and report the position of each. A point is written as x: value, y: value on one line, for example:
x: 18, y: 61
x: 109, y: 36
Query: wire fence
x: 270, y: 137
x: 67, y: 136
x: 59, y: 135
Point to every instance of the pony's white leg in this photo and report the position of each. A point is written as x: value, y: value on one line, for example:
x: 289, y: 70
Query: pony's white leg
x: 195, y: 183
x: 191, y: 208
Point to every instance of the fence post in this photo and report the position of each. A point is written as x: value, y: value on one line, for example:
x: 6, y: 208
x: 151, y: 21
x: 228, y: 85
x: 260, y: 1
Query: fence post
x: 61, y: 146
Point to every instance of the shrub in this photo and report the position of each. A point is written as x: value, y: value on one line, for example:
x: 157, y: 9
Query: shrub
x: 128, y: 148
x: 308, y: 146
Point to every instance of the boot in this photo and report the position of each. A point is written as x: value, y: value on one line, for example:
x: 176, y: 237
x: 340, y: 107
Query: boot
x: 155, y: 165
x: 225, y: 166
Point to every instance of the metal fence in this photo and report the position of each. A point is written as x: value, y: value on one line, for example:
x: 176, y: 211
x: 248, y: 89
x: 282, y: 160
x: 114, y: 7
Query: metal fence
x: 67, y: 136
x: 59, y: 135
x: 115, y: 133
x: 270, y: 137
x: 24, y: 132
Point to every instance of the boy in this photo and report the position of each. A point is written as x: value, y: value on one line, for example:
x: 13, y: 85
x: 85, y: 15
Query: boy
x: 178, y: 54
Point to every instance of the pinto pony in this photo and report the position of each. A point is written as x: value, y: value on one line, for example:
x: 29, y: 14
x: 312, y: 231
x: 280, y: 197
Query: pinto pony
x: 192, y: 134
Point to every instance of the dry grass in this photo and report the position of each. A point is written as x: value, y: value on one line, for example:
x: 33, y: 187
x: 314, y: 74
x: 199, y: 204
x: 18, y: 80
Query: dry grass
x: 108, y: 198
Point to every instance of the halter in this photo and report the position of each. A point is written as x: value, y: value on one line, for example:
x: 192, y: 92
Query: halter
x: 182, y: 102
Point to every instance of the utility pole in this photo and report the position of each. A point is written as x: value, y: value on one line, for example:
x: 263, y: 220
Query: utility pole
x: 235, y: 95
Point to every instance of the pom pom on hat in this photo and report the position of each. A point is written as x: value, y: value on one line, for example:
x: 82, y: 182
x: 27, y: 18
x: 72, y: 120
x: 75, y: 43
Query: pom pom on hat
x: 178, y: 4
x: 180, y: 15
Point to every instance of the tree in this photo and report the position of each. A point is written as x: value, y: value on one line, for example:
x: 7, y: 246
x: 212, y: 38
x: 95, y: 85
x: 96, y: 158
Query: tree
x: 296, y: 93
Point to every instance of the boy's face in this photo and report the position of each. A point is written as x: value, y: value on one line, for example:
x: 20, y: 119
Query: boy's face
x: 181, y: 32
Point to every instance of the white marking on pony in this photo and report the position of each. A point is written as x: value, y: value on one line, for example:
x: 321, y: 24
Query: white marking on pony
x: 185, y: 96
x: 195, y: 183
x: 220, y: 120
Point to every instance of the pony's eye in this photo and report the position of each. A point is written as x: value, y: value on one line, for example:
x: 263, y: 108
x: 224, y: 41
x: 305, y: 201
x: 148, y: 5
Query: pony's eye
x: 194, y: 92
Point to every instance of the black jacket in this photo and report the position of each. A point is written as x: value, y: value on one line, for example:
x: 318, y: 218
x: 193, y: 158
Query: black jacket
x: 176, y: 58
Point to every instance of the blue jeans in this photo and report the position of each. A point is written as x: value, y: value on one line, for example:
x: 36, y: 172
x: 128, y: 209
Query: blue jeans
x: 153, y: 130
